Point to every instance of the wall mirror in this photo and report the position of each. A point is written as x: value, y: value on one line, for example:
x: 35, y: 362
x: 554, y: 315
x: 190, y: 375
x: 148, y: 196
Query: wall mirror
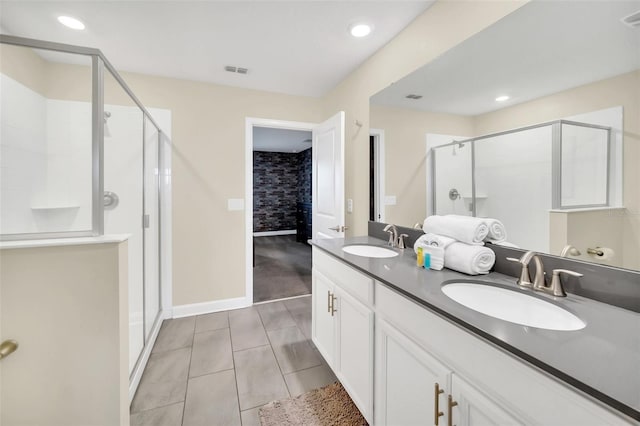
x: 537, y: 125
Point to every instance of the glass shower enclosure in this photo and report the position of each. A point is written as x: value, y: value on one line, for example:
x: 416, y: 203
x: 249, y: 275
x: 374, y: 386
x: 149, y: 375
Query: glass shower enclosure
x: 519, y: 176
x: 80, y: 156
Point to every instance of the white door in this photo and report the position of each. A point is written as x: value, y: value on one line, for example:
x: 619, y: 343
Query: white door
x: 354, y: 354
x: 475, y: 409
x: 328, y: 178
x: 322, y: 319
x: 406, y: 381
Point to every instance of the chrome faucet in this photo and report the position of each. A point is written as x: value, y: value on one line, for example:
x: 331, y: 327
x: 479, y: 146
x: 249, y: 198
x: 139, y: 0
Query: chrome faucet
x: 539, y: 283
x: 393, y: 234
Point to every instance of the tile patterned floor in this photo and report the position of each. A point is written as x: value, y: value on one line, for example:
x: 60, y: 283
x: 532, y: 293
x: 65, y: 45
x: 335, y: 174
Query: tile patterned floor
x: 220, y: 368
x: 282, y: 268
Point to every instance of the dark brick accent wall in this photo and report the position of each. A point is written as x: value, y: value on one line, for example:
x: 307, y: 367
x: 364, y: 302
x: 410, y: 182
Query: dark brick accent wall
x: 280, y: 181
x: 304, y: 176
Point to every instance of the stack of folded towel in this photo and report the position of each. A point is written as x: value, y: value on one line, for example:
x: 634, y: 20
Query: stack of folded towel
x: 463, y: 238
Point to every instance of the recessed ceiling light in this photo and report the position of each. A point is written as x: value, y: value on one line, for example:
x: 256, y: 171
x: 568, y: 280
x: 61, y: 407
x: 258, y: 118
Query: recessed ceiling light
x: 70, y: 22
x: 360, y: 30
x: 502, y: 98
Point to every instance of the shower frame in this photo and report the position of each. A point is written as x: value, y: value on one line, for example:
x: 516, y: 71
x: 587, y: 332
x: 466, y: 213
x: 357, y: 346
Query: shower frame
x: 98, y: 65
x: 556, y: 162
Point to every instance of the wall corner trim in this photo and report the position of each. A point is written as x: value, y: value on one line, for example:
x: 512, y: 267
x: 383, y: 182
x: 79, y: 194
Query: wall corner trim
x: 180, y: 311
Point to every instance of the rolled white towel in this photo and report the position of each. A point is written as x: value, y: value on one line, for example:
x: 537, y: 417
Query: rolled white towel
x: 497, y: 231
x: 470, y: 230
x: 432, y: 240
x: 468, y: 259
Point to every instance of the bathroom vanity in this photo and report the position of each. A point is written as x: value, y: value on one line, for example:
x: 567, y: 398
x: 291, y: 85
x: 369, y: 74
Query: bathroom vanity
x: 407, y: 354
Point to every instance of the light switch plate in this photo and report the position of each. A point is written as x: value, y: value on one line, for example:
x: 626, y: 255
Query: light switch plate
x: 349, y: 205
x: 234, y: 204
x: 390, y: 200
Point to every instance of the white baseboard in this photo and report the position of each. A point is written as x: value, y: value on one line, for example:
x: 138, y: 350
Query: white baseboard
x: 273, y: 233
x: 209, y: 307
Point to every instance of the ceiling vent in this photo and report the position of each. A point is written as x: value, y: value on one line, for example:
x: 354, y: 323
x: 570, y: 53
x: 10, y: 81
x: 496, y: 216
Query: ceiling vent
x: 238, y: 70
x: 632, y: 20
x: 412, y: 96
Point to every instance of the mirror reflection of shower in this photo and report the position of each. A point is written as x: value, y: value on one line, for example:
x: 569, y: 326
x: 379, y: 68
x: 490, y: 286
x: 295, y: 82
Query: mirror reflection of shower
x: 107, y: 132
x: 454, y: 152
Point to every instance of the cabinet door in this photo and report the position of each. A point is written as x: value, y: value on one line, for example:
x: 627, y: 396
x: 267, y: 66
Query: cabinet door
x: 406, y: 377
x: 322, y: 320
x: 477, y: 409
x: 354, y: 361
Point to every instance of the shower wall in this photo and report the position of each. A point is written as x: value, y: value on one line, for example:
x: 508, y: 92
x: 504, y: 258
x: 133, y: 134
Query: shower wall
x: 45, y: 150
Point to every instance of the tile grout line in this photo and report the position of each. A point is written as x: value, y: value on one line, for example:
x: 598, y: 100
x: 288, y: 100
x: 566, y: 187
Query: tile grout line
x: 186, y: 390
x: 235, y: 372
x: 274, y: 355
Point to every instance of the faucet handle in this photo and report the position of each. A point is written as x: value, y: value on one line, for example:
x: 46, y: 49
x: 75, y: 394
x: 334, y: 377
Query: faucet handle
x: 525, y: 278
x: 556, y: 287
x: 401, y: 238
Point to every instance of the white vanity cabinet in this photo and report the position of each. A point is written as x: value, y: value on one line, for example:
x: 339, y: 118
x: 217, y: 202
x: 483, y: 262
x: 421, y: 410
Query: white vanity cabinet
x: 342, y: 326
x: 487, y: 386
x: 414, y: 350
x: 412, y: 386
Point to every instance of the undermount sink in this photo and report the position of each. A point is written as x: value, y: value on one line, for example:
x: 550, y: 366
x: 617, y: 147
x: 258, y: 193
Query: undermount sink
x: 512, y: 306
x: 369, y: 251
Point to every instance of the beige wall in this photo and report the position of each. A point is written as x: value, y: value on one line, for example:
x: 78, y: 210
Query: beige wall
x: 438, y: 29
x: 621, y: 90
x: 24, y: 66
x: 405, y: 156
x: 68, y: 309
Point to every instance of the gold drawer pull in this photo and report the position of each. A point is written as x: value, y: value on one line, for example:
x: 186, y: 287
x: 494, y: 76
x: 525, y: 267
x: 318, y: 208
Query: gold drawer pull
x: 450, y: 404
x: 333, y: 305
x: 328, y: 301
x: 436, y: 404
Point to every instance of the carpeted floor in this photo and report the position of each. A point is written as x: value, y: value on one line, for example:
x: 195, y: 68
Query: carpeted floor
x: 282, y: 269
x: 330, y: 405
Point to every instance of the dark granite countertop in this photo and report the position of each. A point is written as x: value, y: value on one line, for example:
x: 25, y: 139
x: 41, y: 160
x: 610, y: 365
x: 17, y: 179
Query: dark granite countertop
x: 602, y: 359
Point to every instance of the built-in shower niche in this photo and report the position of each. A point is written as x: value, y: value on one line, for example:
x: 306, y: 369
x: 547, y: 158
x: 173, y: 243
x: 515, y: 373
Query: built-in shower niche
x: 526, y: 177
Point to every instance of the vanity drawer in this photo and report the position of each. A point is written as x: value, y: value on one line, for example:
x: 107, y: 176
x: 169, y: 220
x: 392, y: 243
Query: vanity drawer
x: 355, y: 283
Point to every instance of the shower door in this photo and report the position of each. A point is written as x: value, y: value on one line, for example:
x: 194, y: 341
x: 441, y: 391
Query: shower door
x: 151, y: 223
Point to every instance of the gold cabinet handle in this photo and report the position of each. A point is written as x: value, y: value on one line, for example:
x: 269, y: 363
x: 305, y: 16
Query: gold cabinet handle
x: 436, y: 404
x: 333, y: 305
x: 7, y: 348
x: 450, y: 404
x: 328, y: 301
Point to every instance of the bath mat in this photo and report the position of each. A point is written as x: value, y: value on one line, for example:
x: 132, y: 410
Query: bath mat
x: 330, y: 405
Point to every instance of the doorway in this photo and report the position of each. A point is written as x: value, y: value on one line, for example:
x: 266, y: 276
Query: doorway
x: 376, y: 175
x: 280, y: 209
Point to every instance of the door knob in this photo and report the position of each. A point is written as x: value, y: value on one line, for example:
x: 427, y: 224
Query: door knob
x: 335, y: 228
x: 7, y: 348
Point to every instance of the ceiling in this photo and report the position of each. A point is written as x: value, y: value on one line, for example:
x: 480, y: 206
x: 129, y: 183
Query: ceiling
x: 295, y: 47
x: 280, y: 140
x: 542, y: 48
